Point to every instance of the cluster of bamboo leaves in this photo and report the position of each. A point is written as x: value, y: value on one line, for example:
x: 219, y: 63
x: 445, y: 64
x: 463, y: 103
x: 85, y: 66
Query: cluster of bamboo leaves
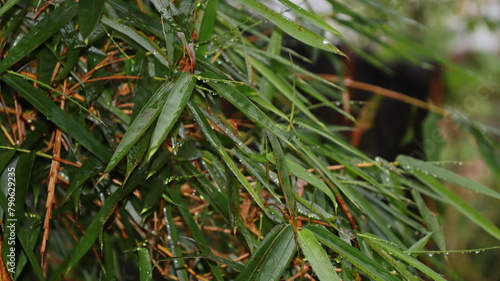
x: 173, y: 140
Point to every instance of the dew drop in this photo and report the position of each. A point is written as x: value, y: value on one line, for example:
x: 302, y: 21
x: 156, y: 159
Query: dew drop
x: 476, y: 252
x: 430, y: 254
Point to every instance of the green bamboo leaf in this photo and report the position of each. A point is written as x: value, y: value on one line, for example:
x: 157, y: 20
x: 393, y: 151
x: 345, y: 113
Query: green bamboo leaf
x: 48, y: 26
x: 286, y: 89
x: 5, y: 157
x: 175, y: 244
x: 90, y: 168
x: 293, y: 29
x: 358, y: 259
x: 141, y: 123
x: 310, y: 17
x: 462, y: 206
x: 300, y: 172
x: 209, y: 133
x: 23, y: 176
x: 396, y: 252
x: 30, y: 251
x: 145, y: 266
x: 272, y: 256
x: 96, y: 226
x: 7, y: 6
x: 316, y: 256
x: 207, y: 25
x: 172, y: 108
x: 216, y: 198
x: 283, y: 174
x: 136, y: 154
x: 239, y: 100
x: 154, y: 196
x: 351, y: 194
x: 108, y: 251
x: 399, y: 266
x: 128, y: 32
x: 66, y: 123
x: 89, y: 14
x: 430, y: 219
x: 198, y: 235
x: 412, y: 164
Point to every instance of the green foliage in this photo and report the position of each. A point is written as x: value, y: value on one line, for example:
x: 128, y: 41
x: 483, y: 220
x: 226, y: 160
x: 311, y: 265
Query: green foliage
x: 173, y: 140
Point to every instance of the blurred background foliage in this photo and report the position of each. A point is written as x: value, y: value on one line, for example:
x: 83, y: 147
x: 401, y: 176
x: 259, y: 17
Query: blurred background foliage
x: 187, y: 147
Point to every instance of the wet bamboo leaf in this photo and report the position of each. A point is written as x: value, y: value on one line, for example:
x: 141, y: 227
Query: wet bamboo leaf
x: 450, y: 197
x: 272, y: 256
x: 310, y: 17
x: 299, y: 32
x: 141, y: 123
x: 172, y: 108
x: 316, y: 256
x: 89, y: 14
x: 145, y: 266
x: 353, y: 255
x: 42, y: 31
x: 398, y: 253
x: 411, y: 165
x: 66, y: 123
x: 283, y: 174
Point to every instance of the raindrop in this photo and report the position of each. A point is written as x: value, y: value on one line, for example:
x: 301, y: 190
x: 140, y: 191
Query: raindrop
x: 430, y: 254
x: 476, y: 252
x: 446, y: 253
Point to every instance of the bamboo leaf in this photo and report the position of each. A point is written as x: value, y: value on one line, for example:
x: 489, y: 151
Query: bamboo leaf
x: 216, y: 143
x: 172, y: 108
x: 283, y: 174
x: 394, y: 251
x: 133, y: 35
x: 310, y: 17
x: 358, y: 259
x: 271, y: 257
x: 95, y: 228
x: 462, y: 206
x: 145, y: 266
x: 42, y: 31
x: 317, y: 256
x: 297, y: 31
x: 412, y: 165
x: 66, y: 123
x: 89, y: 14
x: 141, y: 123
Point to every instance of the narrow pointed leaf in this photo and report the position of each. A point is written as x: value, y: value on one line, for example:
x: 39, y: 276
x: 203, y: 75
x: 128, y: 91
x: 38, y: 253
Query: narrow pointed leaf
x: 310, y: 17
x: 172, y: 108
x: 272, y: 256
x: 299, y: 32
x: 145, y: 266
x: 63, y: 120
x: 89, y: 14
x: 132, y: 34
x: 283, y: 174
x: 457, y: 202
x: 217, y: 144
x: 398, y: 253
x: 96, y: 226
x: 142, y: 122
x: 48, y: 26
x: 316, y: 256
x: 412, y: 164
x: 353, y: 255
